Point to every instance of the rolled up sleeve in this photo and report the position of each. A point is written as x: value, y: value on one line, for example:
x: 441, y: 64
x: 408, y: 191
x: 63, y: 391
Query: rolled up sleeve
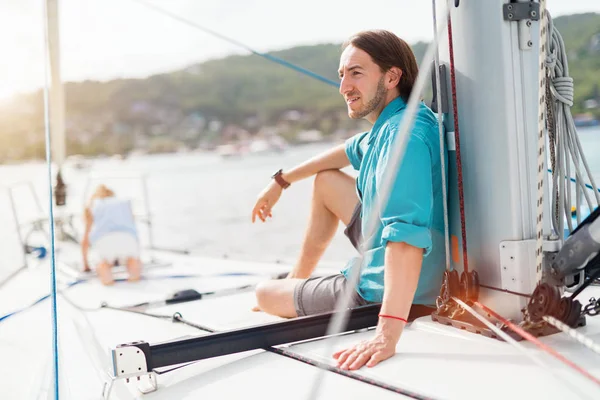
x: 353, y: 149
x: 408, y: 213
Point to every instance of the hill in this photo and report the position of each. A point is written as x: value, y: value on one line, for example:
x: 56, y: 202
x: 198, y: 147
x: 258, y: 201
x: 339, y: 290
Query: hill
x: 232, y: 98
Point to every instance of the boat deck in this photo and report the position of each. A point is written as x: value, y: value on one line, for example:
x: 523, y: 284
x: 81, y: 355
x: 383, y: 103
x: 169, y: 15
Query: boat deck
x: 432, y: 360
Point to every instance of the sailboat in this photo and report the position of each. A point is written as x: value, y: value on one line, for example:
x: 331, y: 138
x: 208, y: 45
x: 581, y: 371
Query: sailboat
x: 490, y: 336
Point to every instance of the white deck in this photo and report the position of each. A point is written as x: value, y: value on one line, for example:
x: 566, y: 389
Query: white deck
x: 432, y: 359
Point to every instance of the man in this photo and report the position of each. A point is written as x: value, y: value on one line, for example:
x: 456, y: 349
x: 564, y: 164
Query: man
x: 406, y: 251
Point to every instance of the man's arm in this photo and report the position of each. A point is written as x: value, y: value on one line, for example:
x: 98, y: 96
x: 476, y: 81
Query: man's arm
x: 334, y: 158
x: 406, y: 218
x: 402, y: 269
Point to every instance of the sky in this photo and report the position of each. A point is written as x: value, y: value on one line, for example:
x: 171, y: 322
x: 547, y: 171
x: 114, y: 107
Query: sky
x: 107, y: 39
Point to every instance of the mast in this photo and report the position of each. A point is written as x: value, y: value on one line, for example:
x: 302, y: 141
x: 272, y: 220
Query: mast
x: 496, y: 72
x: 57, y: 106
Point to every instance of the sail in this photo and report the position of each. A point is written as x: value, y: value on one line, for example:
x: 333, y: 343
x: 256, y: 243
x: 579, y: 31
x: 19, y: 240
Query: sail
x: 57, y: 106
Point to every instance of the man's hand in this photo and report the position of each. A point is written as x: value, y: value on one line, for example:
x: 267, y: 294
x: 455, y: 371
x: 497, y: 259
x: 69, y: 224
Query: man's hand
x: 266, y: 200
x: 402, y: 269
x: 369, y: 352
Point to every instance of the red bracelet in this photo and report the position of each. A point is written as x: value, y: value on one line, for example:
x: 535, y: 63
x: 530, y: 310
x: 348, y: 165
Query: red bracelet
x: 393, y: 317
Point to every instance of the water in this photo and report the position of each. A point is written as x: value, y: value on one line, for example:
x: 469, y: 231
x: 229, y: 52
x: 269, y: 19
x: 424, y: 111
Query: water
x: 198, y: 201
x: 201, y: 202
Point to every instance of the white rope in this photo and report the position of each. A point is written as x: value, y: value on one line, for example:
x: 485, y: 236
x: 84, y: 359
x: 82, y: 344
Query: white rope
x: 519, y: 347
x: 339, y: 320
x: 568, y: 146
x: 541, y: 143
x: 442, y: 141
x: 587, y: 342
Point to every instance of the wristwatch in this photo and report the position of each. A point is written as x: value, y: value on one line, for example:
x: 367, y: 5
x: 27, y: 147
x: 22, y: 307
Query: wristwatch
x: 279, y: 179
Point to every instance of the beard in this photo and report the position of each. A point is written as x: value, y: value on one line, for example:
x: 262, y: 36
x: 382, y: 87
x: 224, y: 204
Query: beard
x: 372, y: 104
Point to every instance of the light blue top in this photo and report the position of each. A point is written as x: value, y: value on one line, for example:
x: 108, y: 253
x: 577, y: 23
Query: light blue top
x: 414, y: 212
x: 111, y: 215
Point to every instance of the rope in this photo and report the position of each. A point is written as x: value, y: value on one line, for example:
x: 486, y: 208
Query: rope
x: 585, y: 283
x: 267, y: 56
x: 587, y: 185
x: 510, y: 340
x: 442, y: 142
x: 587, y: 342
x: 53, y: 305
x: 73, y: 283
x: 526, y: 335
x: 177, y: 317
x: 539, y: 255
x: 515, y: 344
x: 461, y: 197
x: 505, y: 291
x: 566, y: 143
x: 315, y: 363
x: 12, y: 313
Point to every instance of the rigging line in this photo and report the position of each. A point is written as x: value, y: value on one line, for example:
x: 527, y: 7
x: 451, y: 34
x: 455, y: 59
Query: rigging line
x: 321, y: 365
x: 515, y: 344
x: 12, y: 275
x: 442, y: 141
x: 591, y: 279
x: 526, y: 335
x: 365, y: 379
x: 142, y: 307
x: 177, y: 317
x: 587, y: 185
x: 267, y: 56
x: 10, y: 314
x: 339, y: 320
x: 73, y: 283
x: 134, y: 311
x: 561, y: 93
x: 461, y: 197
x: 505, y: 291
x: 541, y: 161
x: 582, y: 339
x: 50, y: 10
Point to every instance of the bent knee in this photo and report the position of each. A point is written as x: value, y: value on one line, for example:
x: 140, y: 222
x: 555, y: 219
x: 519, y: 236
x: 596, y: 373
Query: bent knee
x: 276, y: 297
x: 325, y: 178
x: 266, y: 294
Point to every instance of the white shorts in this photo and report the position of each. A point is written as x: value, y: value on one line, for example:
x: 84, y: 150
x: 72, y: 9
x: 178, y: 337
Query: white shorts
x: 116, y: 246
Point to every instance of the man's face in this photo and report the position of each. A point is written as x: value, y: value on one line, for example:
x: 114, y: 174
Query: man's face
x: 362, y: 84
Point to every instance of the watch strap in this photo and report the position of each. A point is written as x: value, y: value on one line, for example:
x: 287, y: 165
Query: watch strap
x: 279, y: 179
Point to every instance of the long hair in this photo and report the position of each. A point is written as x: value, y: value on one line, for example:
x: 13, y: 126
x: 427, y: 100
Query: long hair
x: 387, y: 50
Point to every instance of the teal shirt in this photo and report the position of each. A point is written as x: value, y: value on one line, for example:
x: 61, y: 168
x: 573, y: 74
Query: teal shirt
x: 414, y: 212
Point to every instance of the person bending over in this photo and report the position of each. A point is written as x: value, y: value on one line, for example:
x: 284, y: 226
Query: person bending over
x: 111, y: 232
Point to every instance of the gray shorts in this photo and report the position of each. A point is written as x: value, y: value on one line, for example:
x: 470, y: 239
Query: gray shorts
x: 318, y: 295
x: 353, y: 230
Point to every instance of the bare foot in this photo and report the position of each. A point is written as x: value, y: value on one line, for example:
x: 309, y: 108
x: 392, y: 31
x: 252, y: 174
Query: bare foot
x: 104, y: 272
x: 134, y: 267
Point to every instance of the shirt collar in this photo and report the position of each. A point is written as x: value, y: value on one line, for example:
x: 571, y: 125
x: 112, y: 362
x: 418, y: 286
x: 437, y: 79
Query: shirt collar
x: 392, y: 108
